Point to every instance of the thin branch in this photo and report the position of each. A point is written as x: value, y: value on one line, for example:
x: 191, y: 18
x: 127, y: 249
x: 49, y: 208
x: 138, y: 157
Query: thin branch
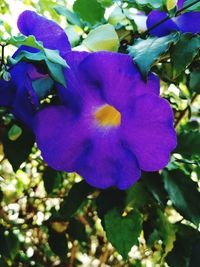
x: 2, y: 56
x: 185, y: 112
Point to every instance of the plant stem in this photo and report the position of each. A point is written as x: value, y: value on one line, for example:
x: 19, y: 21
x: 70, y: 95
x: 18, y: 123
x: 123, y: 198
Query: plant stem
x: 185, y: 112
x: 2, y: 56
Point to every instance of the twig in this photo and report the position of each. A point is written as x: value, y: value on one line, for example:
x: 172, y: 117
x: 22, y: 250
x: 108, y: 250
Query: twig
x: 185, y: 111
x: 2, y: 56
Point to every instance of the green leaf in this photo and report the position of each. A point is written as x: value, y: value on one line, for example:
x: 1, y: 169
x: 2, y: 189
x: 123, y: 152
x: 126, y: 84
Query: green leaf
x: 103, y: 37
x: 71, y: 17
x: 154, y: 183
x: 89, y: 10
x: 42, y: 86
x: 56, y: 72
x: 54, y: 57
x: 123, y: 231
x: 17, y: 151
x: 77, y: 195
x: 106, y: 3
x: 185, y: 251
x: 58, y: 244
x: 146, y: 52
x: 27, y: 41
x: 183, y: 53
x: 77, y: 231
x: 188, y: 143
x: 167, y: 232
x: 137, y: 196
x: 194, y: 83
x: 52, y: 180
x: 154, y: 4
x: 10, y: 243
x: 109, y: 199
x: 195, y: 7
x: 184, y: 194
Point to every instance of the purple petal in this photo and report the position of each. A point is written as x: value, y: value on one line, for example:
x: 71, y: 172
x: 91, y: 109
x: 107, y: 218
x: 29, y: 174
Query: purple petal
x: 180, y: 3
x: 80, y: 146
x: 7, y: 93
x: 18, y: 94
x: 114, y: 78
x: 165, y: 28
x: 64, y: 135
x: 8, y: 89
x: 72, y: 79
x: 149, y: 132
x: 45, y: 30
x: 107, y: 163
x: 188, y: 22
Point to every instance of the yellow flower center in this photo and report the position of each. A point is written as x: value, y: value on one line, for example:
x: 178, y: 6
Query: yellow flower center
x: 108, y: 116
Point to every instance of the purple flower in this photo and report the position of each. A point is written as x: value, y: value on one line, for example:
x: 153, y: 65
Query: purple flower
x: 186, y: 22
x: 18, y: 94
x: 109, y: 124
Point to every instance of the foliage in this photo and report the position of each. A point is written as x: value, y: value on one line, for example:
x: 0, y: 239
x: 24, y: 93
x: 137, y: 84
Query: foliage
x: 53, y: 218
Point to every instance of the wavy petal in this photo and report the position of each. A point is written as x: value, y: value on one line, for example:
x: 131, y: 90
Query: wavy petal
x: 114, y: 78
x: 188, y: 22
x: 45, y: 30
x: 107, y: 163
x: 149, y: 132
x: 61, y: 136
x: 7, y: 93
x: 163, y: 29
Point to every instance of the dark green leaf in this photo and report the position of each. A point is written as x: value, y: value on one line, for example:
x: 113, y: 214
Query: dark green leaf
x: 18, y: 151
x: 77, y: 195
x: 123, y: 231
x: 188, y: 143
x: 58, y: 244
x: 194, y: 84
x: 154, y: 183
x: 109, y: 199
x: 89, y: 10
x: 146, y: 52
x: 9, y: 243
x: 137, y: 196
x: 166, y: 231
x: 184, y: 253
x: 195, y: 256
x: 52, y: 180
x: 184, y: 194
x: 183, y: 53
x: 76, y: 230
